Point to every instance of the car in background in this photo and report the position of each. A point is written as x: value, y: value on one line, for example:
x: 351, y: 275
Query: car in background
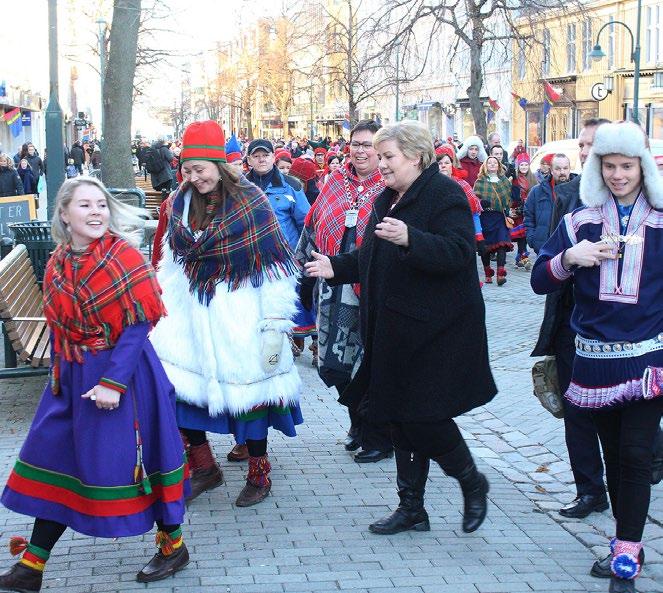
x: 570, y: 148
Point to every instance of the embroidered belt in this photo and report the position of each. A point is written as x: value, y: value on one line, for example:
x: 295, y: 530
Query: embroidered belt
x: 597, y: 349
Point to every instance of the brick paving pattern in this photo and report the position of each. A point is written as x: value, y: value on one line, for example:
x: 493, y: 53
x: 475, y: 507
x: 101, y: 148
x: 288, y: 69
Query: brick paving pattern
x: 311, y: 534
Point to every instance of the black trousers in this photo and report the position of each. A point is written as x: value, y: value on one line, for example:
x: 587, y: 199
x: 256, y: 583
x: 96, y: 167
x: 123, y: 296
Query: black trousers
x: 627, y: 436
x: 500, y: 258
x: 199, y: 437
x: 582, y: 440
x: 432, y: 439
x: 371, y: 436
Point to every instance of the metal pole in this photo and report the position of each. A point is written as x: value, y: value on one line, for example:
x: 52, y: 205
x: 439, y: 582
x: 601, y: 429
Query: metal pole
x: 102, y: 74
x: 54, y: 120
x: 311, y: 107
x: 398, y: 77
x: 636, y: 70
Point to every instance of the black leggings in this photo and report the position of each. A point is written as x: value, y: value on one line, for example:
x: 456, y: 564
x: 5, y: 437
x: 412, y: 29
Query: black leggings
x: 198, y: 437
x: 432, y: 439
x: 500, y: 256
x: 46, y: 533
x: 627, y: 436
x: 522, y: 246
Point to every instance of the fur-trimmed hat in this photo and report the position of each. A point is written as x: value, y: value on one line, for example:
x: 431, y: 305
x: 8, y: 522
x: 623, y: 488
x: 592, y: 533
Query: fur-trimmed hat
x: 203, y: 141
x: 627, y: 139
x: 473, y: 141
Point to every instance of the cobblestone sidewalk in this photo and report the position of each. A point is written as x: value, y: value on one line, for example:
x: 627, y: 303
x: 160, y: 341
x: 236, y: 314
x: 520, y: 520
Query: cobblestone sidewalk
x: 310, y: 535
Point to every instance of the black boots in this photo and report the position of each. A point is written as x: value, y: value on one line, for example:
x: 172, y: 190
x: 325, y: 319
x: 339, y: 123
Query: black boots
x: 412, y: 472
x: 460, y: 465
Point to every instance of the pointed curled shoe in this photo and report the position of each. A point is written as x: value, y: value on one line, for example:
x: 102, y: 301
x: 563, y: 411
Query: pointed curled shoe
x: 22, y: 579
x: 162, y: 566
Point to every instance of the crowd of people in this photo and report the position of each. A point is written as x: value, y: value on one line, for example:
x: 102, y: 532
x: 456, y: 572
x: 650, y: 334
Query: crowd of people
x: 369, y: 248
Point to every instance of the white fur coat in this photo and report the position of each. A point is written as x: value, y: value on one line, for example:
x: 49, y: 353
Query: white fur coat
x: 212, y: 355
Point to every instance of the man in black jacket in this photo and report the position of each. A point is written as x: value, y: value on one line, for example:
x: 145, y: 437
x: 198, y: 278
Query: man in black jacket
x: 557, y: 338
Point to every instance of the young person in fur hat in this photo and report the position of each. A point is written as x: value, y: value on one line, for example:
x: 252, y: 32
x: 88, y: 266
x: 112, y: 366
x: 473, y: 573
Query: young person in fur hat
x: 471, y: 155
x: 103, y: 456
x: 611, y: 250
x: 229, y: 285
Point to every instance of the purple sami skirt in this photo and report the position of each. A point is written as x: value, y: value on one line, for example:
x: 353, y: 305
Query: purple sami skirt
x: 77, y: 464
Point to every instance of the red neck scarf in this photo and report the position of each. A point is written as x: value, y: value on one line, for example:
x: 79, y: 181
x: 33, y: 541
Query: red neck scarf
x: 338, y: 195
x: 90, y: 298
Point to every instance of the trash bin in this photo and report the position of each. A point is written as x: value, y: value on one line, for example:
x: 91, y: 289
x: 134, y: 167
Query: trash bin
x: 36, y: 236
x: 6, y: 245
x: 133, y: 196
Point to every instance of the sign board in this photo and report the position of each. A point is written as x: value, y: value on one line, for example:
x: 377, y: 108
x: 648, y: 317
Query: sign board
x: 26, y: 118
x: 16, y: 209
x: 599, y: 91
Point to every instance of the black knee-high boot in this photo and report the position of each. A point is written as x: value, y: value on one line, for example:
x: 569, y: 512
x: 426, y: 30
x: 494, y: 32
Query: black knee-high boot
x: 459, y: 464
x: 411, y: 476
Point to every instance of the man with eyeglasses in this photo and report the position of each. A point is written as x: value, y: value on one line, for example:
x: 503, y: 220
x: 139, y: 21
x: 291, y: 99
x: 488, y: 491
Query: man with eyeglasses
x: 336, y: 224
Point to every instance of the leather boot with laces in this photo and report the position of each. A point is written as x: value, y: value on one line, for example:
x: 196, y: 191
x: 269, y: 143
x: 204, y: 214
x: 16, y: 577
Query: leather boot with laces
x: 412, y: 473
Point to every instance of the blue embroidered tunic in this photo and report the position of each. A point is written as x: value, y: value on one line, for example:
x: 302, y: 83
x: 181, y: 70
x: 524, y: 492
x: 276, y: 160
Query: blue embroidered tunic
x: 618, y: 304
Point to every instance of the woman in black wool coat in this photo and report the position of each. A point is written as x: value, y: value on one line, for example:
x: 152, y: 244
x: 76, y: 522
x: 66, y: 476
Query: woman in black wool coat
x: 422, y: 322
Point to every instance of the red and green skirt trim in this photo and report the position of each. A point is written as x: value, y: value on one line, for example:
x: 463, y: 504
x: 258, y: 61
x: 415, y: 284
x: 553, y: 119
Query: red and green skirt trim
x: 99, y: 501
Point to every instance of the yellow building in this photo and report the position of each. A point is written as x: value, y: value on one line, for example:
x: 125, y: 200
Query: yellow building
x: 588, y: 88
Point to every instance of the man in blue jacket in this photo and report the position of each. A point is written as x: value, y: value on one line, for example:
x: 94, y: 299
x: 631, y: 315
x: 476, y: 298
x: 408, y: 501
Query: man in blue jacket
x: 285, y: 193
x: 541, y: 199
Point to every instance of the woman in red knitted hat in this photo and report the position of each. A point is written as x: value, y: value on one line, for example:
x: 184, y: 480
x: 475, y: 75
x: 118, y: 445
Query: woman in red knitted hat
x: 228, y: 282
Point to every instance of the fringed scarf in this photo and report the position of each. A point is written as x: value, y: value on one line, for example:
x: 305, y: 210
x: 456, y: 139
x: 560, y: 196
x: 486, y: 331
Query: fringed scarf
x: 339, y: 194
x: 90, y: 298
x: 242, y: 243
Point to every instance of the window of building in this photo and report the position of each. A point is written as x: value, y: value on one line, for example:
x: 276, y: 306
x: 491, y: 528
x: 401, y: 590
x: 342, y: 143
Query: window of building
x: 653, y: 34
x: 533, y: 125
x: 545, y: 66
x: 571, y: 48
x: 586, y: 44
x: 611, y: 44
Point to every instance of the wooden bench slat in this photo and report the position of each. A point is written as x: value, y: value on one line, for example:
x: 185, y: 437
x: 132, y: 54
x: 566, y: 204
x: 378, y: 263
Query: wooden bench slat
x: 42, y: 356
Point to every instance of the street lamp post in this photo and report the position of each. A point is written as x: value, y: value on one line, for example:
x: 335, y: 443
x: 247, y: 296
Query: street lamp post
x: 598, y: 54
x: 54, y: 121
x: 102, y: 72
x: 398, y: 77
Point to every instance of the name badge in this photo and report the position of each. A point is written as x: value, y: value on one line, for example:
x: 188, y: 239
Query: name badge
x: 351, y: 218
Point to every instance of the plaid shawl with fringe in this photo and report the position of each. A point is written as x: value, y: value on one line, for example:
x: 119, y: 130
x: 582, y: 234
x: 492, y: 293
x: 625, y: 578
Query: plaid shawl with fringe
x: 90, y: 298
x: 243, y: 243
x: 326, y: 217
x: 494, y: 196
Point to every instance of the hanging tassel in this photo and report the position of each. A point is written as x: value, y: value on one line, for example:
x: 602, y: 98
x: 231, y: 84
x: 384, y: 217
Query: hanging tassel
x: 164, y: 543
x: 140, y: 473
x: 17, y: 544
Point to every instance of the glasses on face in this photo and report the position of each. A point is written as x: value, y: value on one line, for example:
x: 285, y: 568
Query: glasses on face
x: 364, y: 145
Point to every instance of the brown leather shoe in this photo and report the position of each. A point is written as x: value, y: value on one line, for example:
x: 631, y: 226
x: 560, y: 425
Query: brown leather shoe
x: 251, y: 494
x: 161, y: 566
x: 21, y: 578
x: 238, y: 453
x: 203, y: 480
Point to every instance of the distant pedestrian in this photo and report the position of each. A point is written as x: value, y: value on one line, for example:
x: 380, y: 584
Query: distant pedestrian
x: 78, y: 155
x: 523, y: 182
x: 471, y: 155
x: 27, y: 177
x: 71, y: 170
x: 10, y: 182
x: 493, y: 188
x: 103, y: 456
x: 158, y: 160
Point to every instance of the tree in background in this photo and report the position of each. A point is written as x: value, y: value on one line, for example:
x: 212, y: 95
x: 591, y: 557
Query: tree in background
x: 116, y: 167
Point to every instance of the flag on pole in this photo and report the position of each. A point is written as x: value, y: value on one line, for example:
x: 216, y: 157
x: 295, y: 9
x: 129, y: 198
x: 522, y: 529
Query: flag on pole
x: 14, y: 121
x: 490, y: 116
x: 521, y: 101
x: 551, y: 93
x: 494, y: 105
x: 546, y: 107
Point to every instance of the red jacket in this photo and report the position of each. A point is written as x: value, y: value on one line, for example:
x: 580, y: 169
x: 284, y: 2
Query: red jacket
x: 472, y: 167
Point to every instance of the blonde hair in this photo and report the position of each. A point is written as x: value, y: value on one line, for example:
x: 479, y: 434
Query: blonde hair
x: 10, y: 160
x: 125, y: 221
x: 483, y: 172
x: 413, y: 139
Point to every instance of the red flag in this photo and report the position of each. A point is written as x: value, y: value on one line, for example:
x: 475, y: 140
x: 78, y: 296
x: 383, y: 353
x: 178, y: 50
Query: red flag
x: 11, y: 116
x: 493, y: 104
x: 516, y: 97
x: 550, y: 92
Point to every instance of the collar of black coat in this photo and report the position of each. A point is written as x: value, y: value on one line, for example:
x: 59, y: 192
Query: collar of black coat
x: 387, y: 196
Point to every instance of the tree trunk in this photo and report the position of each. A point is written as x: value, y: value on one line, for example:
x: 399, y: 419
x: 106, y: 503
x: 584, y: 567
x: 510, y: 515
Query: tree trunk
x: 116, y: 167
x: 476, y: 80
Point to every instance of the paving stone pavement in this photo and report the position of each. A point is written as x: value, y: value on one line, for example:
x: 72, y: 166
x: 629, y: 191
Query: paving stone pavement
x: 310, y: 535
